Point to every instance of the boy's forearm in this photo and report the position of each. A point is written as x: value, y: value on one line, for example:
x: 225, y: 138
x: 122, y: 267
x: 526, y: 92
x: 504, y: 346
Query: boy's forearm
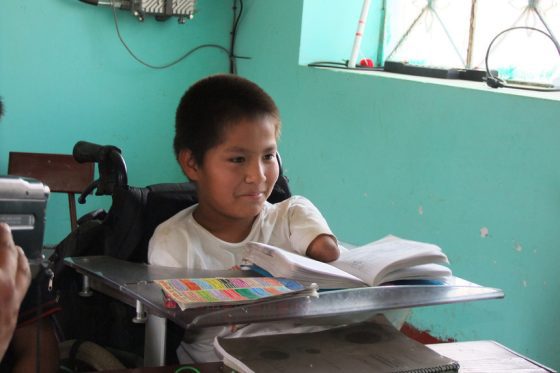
x: 323, y: 248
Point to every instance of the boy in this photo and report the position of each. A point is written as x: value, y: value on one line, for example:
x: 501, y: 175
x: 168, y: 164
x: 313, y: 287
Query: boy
x: 226, y: 142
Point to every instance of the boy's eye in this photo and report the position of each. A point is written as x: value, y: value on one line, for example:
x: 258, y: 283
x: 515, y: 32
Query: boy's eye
x: 237, y: 159
x: 270, y: 157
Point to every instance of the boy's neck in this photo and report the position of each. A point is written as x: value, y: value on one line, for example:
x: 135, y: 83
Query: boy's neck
x: 228, y: 230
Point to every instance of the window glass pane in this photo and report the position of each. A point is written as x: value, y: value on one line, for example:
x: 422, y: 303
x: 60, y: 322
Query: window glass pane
x: 431, y: 33
x: 493, y: 17
x: 523, y: 55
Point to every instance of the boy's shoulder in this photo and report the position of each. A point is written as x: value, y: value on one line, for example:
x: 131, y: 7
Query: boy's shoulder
x: 287, y: 206
x: 294, y: 200
x: 178, y: 218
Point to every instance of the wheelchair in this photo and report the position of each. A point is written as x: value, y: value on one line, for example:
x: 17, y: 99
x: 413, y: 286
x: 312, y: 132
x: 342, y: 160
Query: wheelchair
x: 122, y: 232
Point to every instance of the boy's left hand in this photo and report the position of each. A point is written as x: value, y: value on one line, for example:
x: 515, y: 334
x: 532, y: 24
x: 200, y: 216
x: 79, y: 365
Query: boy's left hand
x: 323, y: 248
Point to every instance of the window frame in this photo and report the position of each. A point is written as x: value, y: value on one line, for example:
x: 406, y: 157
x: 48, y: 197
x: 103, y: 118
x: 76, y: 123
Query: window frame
x: 467, y: 56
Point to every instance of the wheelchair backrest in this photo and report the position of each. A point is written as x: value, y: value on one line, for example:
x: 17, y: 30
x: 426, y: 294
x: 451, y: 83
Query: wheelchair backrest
x: 136, y: 211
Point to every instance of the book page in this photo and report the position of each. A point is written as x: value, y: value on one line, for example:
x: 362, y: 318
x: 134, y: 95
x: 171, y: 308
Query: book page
x: 371, y: 262
x: 282, y: 263
x: 420, y: 272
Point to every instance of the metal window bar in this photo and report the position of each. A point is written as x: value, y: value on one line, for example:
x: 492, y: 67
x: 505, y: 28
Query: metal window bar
x: 381, y: 40
x: 533, y: 6
x: 470, y: 45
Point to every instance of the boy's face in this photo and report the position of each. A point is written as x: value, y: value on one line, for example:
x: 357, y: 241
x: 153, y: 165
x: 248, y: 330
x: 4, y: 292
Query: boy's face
x: 237, y: 176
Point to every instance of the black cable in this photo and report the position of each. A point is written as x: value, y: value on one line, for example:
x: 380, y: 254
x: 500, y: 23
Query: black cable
x: 495, y: 82
x: 39, y: 282
x: 185, y: 55
x: 38, y: 320
x: 342, y: 65
x: 232, y: 66
x: 236, y: 18
x: 327, y: 64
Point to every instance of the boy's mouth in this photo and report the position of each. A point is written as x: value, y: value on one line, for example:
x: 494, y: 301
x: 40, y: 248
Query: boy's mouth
x: 252, y: 195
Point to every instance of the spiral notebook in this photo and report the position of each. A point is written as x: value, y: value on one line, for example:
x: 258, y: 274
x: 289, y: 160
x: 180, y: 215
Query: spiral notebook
x: 373, y: 346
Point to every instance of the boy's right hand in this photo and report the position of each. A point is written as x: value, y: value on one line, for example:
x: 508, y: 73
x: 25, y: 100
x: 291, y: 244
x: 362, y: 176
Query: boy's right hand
x: 15, y: 277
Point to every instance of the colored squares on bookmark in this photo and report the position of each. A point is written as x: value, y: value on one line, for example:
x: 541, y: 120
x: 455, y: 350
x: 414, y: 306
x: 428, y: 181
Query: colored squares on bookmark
x: 206, y: 291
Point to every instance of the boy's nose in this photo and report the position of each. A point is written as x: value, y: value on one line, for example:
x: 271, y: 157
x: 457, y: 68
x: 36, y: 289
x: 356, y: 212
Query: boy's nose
x: 255, y: 173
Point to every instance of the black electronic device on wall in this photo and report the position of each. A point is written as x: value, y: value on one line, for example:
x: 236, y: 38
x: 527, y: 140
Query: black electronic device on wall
x: 160, y: 9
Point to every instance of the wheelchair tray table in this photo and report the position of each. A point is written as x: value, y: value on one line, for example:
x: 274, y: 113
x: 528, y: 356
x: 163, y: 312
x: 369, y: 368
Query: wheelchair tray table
x: 133, y: 282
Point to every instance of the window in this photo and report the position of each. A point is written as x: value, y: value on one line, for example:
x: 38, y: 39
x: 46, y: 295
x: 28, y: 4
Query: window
x: 457, y: 33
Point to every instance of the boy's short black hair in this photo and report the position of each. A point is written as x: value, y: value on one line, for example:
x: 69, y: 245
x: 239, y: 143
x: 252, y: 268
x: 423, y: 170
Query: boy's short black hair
x: 214, y: 103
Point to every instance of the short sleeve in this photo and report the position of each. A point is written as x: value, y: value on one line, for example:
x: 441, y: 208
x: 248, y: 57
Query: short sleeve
x: 174, y: 244
x: 305, y: 223
x: 165, y: 246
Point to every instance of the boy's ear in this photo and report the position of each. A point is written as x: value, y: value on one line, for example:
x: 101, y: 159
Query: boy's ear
x: 188, y: 164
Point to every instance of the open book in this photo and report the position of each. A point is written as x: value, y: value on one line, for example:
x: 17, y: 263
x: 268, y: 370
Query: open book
x: 205, y: 292
x: 386, y: 260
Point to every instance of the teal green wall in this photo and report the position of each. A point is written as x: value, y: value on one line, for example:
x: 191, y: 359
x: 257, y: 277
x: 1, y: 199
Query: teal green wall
x: 65, y: 76
x: 427, y: 162
x: 377, y: 155
x: 330, y: 33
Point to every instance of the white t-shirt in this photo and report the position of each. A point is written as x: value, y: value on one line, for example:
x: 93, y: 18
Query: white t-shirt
x: 181, y: 242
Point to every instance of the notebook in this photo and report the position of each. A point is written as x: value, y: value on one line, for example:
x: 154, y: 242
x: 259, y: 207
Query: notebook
x: 489, y: 356
x: 372, y: 346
